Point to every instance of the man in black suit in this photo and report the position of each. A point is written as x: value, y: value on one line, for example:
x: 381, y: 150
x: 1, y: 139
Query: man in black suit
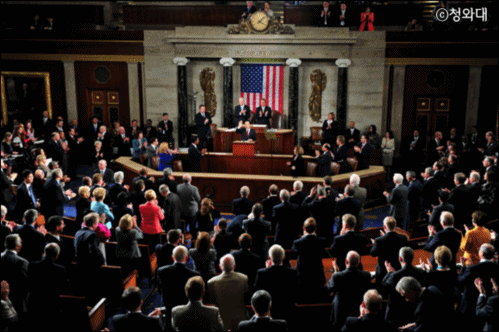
x: 55, y: 227
x: 44, y: 126
x: 55, y: 197
x: 352, y: 135
x: 144, y: 176
x: 486, y: 307
x: 279, y: 280
x: 236, y: 226
x: 309, y: 250
x: 348, y: 287
x: 330, y: 130
x: 88, y: 254
x: 107, y: 173
x: 54, y: 150
x: 117, y: 186
x: 298, y: 196
x: 172, y: 280
x: 414, y: 199
x: 134, y: 319
x: 324, y: 160
x: 247, y: 134
x: 242, y: 205
x: 247, y: 262
x: 268, y: 204
x: 122, y: 143
x: 26, y: 198
x: 6, y: 185
x: 363, y: 153
x: 386, y: 248
x: 398, y: 310
x: 203, y: 122
x: 15, y: 272
x: 412, y: 150
x: 287, y: 228
x: 133, y: 129
x: 248, y: 10
x: 261, y: 303
x: 448, y: 236
x: 320, y: 206
x: 168, y: 179
x: 343, y: 16
x: 164, y: 252
x: 459, y: 197
x: 429, y: 192
x: 242, y: 112
x: 347, y: 205
x: 195, y: 155
x: 171, y: 206
x: 165, y: 130
x: 326, y: 18
x: 347, y: 241
x: 398, y: 199
x: 263, y: 114
x: 444, y: 205
x: 436, y: 147
x: 92, y: 130
x: 33, y: 240
x: 75, y: 145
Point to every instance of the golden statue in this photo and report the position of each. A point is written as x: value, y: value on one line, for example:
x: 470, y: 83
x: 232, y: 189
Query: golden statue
x: 319, y: 80
x: 206, y: 79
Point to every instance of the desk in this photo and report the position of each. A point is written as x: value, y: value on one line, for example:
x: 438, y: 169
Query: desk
x: 283, y: 144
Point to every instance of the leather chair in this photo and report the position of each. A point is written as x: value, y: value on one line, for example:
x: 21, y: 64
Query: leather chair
x: 177, y: 166
x: 311, y: 169
x: 143, y: 159
x: 353, y: 163
x: 309, y: 143
x: 277, y: 121
x: 335, y: 168
x: 155, y: 162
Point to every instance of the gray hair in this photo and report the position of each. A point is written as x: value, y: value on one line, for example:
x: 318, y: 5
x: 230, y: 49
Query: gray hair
x: 4, y: 211
x: 284, y: 195
x: 407, y: 284
x: 179, y: 253
x: 398, y: 178
x: 164, y: 189
x: 227, y: 262
x: 276, y: 253
x: 411, y: 174
x: 407, y: 254
x: 475, y: 175
x: 429, y: 171
x: 167, y: 171
x: 298, y: 185
x: 354, y: 180
x: 487, y: 250
x: 119, y: 176
x: 321, y: 191
x: 186, y: 178
x: 12, y: 241
x: 52, y: 250
x: 447, y: 218
x: 30, y: 216
x: 245, y: 191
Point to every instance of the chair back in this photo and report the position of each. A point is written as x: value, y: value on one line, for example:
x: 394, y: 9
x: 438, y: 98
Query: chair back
x: 177, y: 166
x: 277, y: 120
x: 335, y: 168
x: 155, y: 162
x: 316, y: 133
x: 353, y: 163
x: 311, y: 169
x: 143, y: 159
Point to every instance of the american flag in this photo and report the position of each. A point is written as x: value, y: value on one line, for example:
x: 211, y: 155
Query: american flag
x: 262, y: 81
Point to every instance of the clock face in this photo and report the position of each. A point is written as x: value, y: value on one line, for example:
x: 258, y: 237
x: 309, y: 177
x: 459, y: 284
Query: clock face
x: 259, y: 21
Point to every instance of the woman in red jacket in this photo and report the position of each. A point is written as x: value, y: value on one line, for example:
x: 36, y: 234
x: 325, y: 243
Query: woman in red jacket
x: 151, y: 220
x: 367, y: 17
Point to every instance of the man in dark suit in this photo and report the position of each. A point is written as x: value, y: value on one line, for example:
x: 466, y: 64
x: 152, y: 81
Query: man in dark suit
x: 6, y: 185
x: 320, y: 206
x: 92, y: 130
x: 165, y: 130
x: 278, y: 280
x: 26, y: 198
x: 164, y: 252
x: 298, y: 196
x: 203, y: 122
x: 347, y: 205
x: 309, y: 250
x: 486, y: 307
x: 172, y: 280
x: 55, y: 197
x: 343, y: 16
x: 247, y: 262
x: 242, y: 205
x: 324, y: 160
x: 436, y: 147
x: 340, y: 154
x: 195, y: 155
x: 5, y: 227
x: 386, y: 248
x: 414, y: 199
x: 122, y: 142
x: 287, y: 228
x: 144, y: 176
x: 448, y: 236
x: 347, y: 241
x: 412, y: 150
x: 236, y: 226
x: 33, y: 240
x: 268, y: 204
x: 44, y: 126
x: 168, y: 179
x: 459, y: 197
x: 444, y: 205
x: 134, y: 319
x: 429, y: 192
x: 54, y: 150
x: 348, y: 287
x: 326, y: 18
x: 171, y: 207
x: 263, y: 114
x: 248, y: 10
x: 107, y: 173
x: 330, y: 130
x: 189, y: 200
x: 398, y: 199
x: 363, y: 153
x: 55, y: 227
x: 117, y: 186
x: 88, y: 254
x: 247, y: 134
x: 261, y: 303
x: 242, y: 112
x: 352, y: 135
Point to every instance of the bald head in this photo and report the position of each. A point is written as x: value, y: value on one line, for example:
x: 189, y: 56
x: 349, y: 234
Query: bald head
x: 180, y: 254
x: 227, y: 263
x: 353, y: 259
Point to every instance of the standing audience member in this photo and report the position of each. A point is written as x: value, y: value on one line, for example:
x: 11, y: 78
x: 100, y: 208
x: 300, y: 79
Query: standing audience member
x: 151, y: 220
x: 259, y: 229
x: 387, y: 150
x: 261, y: 302
x: 348, y: 240
x: 127, y: 249
x: 474, y: 238
x: 223, y: 241
x: 486, y: 307
x: 189, y: 199
x: 171, y: 209
x: 33, y: 240
x: 398, y: 199
x: 164, y: 252
x: 246, y: 261
x: 204, y: 256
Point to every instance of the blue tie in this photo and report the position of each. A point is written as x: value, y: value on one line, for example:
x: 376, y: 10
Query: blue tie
x: 32, y: 194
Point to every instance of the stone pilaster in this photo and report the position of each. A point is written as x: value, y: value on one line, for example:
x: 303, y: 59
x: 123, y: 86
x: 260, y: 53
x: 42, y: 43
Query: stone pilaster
x: 342, y: 92
x: 293, y: 107
x: 228, y: 87
x: 183, y: 140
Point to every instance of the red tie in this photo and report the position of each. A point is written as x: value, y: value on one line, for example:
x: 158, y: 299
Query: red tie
x: 247, y: 134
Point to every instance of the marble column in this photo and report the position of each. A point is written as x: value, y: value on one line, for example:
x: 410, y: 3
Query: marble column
x: 133, y: 90
x: 70, y: 85
x: 227, y: 92
x: 473, y: 97
x: 183, y: 121
x: 397, y: 104
x: 342, y: 92
x: 293, y: 95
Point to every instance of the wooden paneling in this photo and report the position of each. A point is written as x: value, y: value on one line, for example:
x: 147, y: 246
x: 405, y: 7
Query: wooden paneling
x: 283, y: 144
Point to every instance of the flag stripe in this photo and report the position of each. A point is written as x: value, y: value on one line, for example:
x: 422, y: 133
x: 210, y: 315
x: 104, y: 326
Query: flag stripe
x: 262, y: 81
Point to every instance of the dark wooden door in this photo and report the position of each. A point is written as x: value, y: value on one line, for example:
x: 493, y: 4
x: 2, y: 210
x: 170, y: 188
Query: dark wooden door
x: 104, y: 105
x: 432, y: 114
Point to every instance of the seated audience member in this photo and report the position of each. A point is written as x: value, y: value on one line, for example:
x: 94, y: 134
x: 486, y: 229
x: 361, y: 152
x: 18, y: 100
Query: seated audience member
x: 164, y: 252
x: 348, y: 287
x: 134, y: 319
x: 33, y: 240
x: 204, y: 256
x: 246, y: 261
x: 363, y: 153
x: 9, y: 313
x: 206, y: 216
x: 309, y: 250
x: 399, y: 311
x: 371, y: 315
x: 348, y: 241
x: 474, y: 238
x: 448, y: 236
x: 195, y: 315
x: 278, y: 280
x: 431, y: 312
x: 166, y: 156
x: 486, y: 307
x: 227, y: 291
x: 100, y: 207
x: 223, y: 241
x: 127, y: 249
x: 259, y: 229
x: 242, y: 205
x: 261, y: 302
x: 151, y: 220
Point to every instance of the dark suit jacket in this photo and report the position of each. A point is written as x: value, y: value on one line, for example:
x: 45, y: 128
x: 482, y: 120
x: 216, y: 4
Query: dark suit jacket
x: 242, y: 205
x: 348, y: 136
x: 166, y: 133
x: 433, y: 154
x: 88, y: 254
x: 244, y: 134
x: 386, y: 248
x: 364, y: 156
x: 414, y: 202
x: 259, y: 230
x: 203, y: 129
x: 108, y: 176
x: 171, y: 206
x: 278, y: 280
x: 347, y: 205
x: 299, y: 164
x: 340, y: 156
x: 134, y: 321
x: 54, y: 151
x: 172, y: 280
x: 398, y: 202
x: 247, y: 263
x: 346, y: 20
x: 241, y: 117
x: 263, y: 324
x: 287, y: 228
x: 164, y: 254
x: 33, y: 242
x: 236, y: 225
x: 432, y: 313
x: 448, y: 237
x: 321, y: 210
x: 263, y: 119
x: 248, y: 11
x: 460, y: 198
x: 195, y: 157
x: 172, y: 184
x: 298, y: 198
x: 15, y: 271
x: 23, y: 200
x: 114, y: 190
x: 342, y: 244
x: 268, y: 207
x: 430, y: 193
x: 123, y: 148
x: 329, y: 133
x: 486, y: 308
x: 368, y: 322
x: 324, y: 164
x: 437, y: 211
x: 348, y: 287
x: 4, y: 231
x: 309, y: 250
x: 6, y: 193
x: 53, y: 202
